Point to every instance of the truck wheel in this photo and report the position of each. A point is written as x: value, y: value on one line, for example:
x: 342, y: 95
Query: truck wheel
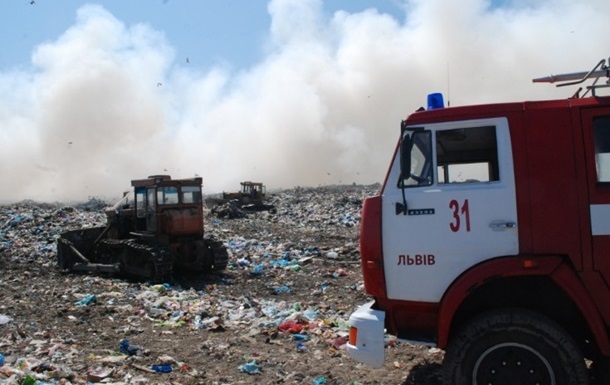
x: 513, y: 346
x: 601, y: 370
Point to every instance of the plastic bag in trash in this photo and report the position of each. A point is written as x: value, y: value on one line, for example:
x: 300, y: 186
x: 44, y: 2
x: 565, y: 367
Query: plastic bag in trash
x: 126, y: 348
x: 162, y: 368
x: 87, y: 300
x: 251, y: 368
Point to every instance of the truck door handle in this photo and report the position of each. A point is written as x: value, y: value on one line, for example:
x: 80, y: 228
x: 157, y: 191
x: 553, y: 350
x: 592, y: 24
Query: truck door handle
x: 500, y: 225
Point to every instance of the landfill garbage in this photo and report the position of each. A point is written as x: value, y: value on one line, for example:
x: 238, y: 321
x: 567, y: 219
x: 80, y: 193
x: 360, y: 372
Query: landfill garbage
x: 258, y: 269
x: 319, y: 381
x: 339, y: 342
x: 99, y: 374
x: 290, y: 326
x: 207, y: 323
x: 282, y: 290
x: 129, y: 349
x: 87, y: 300
x: 250, y: 367
x: 310, y: 314
x: 339, y: 273
x: 301, y: 348
x: 229, y: 210
x: 162, y: 368
x: 332, y: 255
x: 29, y: 380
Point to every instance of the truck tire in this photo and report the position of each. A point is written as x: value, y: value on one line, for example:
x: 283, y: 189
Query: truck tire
x: 601, y: 370
x: 513, y: 346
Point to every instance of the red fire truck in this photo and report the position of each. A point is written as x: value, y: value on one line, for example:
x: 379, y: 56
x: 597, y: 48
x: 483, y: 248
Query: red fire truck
x: 490, y: 239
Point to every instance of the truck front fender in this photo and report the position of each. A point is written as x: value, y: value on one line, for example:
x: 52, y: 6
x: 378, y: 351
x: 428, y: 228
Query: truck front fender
x: 548, y: 266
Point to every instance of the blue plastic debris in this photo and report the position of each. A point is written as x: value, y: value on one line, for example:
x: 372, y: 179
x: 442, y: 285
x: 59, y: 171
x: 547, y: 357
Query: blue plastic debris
x: 162, y: 368
x: 282, y: 289
x: 126, y: 348
x: 87, y: 300
x: 258, y: 269
x: 251, y: 367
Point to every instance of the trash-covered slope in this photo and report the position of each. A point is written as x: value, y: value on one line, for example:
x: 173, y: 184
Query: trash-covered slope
x: 276, y: 315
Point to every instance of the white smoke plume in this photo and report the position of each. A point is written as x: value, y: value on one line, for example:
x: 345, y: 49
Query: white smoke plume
x: 108, y: 102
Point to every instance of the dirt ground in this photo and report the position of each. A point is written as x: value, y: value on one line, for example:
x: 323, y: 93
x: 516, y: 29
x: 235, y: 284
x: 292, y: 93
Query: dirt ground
x: 276, y: 315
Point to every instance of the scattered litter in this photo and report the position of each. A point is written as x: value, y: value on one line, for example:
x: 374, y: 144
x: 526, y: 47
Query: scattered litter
x: 162, y: 368
x: 282, y: 290
x: 98, y: 374
x: 129, y: 349
x: 87, y: 300
x: 251, y: 368
x: 339, y: 342
x: 339, y: 273
x: 301, y: 348
x: 284, y: 294
x: 290, y: 326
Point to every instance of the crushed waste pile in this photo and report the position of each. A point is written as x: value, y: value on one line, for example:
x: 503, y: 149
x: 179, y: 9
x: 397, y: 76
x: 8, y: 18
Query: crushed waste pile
x: 278, y: 313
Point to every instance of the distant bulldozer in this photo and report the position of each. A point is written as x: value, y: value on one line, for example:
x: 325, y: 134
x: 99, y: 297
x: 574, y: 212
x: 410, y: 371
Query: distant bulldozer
x: 233, y: 205
x: 252, y: 193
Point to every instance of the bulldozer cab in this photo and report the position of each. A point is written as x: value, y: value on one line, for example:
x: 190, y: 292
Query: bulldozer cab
x: 253, y: 189
x: 165, y: 206
x: 153, y: 229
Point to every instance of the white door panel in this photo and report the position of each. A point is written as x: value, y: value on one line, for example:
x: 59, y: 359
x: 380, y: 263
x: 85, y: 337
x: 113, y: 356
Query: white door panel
x: 450, y: 227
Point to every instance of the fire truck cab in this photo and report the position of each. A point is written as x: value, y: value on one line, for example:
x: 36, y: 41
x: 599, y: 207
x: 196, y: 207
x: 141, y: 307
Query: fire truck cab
x: 490, y: 239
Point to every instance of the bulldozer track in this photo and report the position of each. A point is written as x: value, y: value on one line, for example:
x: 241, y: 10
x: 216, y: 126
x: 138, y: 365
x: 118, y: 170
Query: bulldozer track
x: 160, y: 258
x: 221, y: 256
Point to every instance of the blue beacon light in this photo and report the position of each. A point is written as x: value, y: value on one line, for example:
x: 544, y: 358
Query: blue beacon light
x: 435, y: 100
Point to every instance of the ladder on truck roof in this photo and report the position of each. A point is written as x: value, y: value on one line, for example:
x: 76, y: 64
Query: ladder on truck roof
x: 599, y: 71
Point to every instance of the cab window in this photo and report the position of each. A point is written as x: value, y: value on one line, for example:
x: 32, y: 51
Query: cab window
x: 141, y: 202
x: 467, y: 155
x: 420, y: 173
x: 191, y: 194
x: 601, y: 135
x: 167, y: 195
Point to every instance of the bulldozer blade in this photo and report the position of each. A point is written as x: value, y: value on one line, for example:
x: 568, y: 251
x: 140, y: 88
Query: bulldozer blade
x: 97, y: 267
x: 73, y: 246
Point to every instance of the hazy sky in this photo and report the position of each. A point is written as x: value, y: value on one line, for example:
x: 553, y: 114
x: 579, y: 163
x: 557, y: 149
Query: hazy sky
x: 287, y: 92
